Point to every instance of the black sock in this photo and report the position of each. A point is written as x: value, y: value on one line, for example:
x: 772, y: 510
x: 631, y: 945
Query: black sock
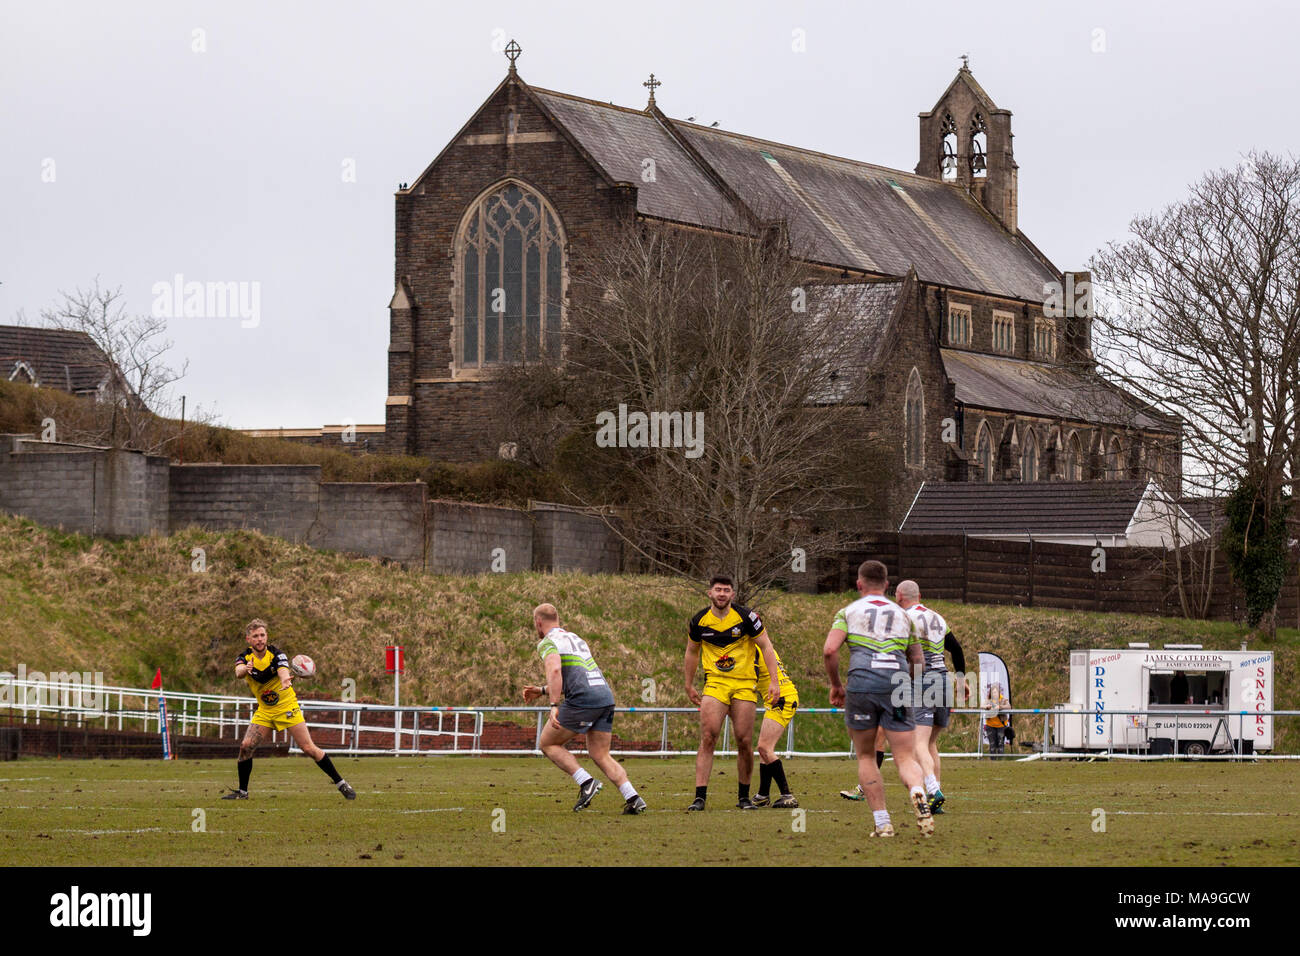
x: 744, y: 790
x: 245, y: 771
x: 764, y: 779
x: 777, y: 773
x: 880, y: 759
x: 328, y: 766
x: 701, y: 792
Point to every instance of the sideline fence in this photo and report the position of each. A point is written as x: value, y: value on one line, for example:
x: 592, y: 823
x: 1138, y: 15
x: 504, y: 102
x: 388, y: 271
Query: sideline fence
x: 382, y: 729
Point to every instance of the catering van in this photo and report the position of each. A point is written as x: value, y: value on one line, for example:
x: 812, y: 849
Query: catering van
x: 1196, y: 702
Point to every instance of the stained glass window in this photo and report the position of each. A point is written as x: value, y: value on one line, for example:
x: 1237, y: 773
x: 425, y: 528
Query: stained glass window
x: 511, y: 252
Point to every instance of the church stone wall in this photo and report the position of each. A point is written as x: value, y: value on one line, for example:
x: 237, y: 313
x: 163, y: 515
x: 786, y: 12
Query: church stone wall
x: 451, y: 415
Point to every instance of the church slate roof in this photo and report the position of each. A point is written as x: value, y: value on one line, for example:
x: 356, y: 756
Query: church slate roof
x: 62, y: 359
x: 844, y: 213
x: 621, y: 139
x: 873, y: 218
x: 1053, y: 391
x: 1031, y: 507
x: 865, y: 310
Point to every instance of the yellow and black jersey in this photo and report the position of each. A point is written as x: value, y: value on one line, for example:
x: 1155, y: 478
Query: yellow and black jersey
x: 728, y: 641
x: 786, y: 684
x: 264, y: 678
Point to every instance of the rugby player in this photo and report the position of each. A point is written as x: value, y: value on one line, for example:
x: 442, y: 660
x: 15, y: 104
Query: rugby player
x: 581, y: 703
x: 776, y: 718
x: 933, y: 711
x: 883, y: 643
x: 724, y: 638
x: 266, y: 668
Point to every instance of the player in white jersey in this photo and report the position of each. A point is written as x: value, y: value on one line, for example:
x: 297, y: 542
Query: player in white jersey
x: 884, y: 652
x: 581, y: 703
x: 934, y: 710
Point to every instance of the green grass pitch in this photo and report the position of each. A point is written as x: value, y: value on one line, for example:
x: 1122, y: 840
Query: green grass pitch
x: 518, y: 810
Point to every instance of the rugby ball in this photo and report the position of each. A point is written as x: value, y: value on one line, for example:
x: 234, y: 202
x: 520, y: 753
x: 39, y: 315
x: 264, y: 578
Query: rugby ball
x: 303, y: 666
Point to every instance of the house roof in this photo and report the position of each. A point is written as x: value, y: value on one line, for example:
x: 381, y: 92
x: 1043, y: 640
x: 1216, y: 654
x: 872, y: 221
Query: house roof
x: 1037, y: 388
x: 844, y: 213
x: 1038, y: 507
x: 62, y: 359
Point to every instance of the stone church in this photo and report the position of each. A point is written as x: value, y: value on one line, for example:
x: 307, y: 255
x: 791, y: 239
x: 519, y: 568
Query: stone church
x: 988, y: 344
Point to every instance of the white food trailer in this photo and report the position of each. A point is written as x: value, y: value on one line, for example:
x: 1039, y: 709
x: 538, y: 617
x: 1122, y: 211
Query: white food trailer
x: 1222, y: 690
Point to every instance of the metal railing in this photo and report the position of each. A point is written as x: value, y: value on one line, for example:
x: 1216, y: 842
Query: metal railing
x: 355, y: 728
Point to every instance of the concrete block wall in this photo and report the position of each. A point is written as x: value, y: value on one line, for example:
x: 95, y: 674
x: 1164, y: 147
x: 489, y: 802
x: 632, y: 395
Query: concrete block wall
x: 464, y: 538
x: 94, y: 491
x: 82, y: 488
x: 381, y: 519
x: 280, y: 500
x: 568, y: 539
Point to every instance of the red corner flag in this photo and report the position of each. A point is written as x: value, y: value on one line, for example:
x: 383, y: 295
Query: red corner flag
x: 157, y: 680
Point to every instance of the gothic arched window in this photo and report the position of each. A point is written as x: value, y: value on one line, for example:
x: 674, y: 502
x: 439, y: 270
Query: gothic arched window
x: 979, y: 146
x: 1073, y: 459
x: 1029, y: 457
x: 984, y: 451
x: 1115, y: 460
x: 948, y: 151
x: 510, y: 254
x: 914, y: 426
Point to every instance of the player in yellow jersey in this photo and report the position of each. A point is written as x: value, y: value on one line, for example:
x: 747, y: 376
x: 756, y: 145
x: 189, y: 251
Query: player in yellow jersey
x: 724, y: 639
x: 776, y: 718
x: 266, y: 668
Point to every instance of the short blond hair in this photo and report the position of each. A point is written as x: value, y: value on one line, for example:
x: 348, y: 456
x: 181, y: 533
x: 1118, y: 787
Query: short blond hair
x: 546, y: 612
x: 253, y: 625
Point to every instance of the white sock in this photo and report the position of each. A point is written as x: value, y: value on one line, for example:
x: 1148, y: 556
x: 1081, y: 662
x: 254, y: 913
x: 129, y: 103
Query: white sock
x: 881, y: 817
x: 915, y: 790
x: 627, y: 790
x: 931, y: 784
x: 580, y: 776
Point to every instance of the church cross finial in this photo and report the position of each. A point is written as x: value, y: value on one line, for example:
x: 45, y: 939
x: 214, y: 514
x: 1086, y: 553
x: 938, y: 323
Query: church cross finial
x: 965, y: 62
x: 651, y: 84
x: 512, y: 51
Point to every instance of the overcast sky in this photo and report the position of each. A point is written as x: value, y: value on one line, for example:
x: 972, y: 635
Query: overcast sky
x: 216, y: 141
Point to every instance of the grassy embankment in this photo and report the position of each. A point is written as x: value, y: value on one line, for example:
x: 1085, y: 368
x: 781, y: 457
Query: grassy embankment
x: 126, y: 607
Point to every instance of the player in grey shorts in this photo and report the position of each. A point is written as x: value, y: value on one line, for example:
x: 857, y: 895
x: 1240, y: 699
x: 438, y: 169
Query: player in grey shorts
x: 884, y: 652
x: 932, y: 712
x: 581, y: 703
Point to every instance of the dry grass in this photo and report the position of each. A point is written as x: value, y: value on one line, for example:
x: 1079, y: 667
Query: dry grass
x: 129, y: 606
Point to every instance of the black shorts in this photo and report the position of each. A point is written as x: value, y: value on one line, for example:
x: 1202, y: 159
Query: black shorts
x: 866, y: 711
x: 579, y: 720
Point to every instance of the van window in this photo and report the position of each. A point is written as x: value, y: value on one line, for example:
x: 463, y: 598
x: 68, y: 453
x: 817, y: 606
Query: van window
x: 1188, y: 688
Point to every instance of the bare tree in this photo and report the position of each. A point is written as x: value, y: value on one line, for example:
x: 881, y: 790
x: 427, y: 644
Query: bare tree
x: 715, y: 391
x: 1199, y: 316
x: 136, y: 379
